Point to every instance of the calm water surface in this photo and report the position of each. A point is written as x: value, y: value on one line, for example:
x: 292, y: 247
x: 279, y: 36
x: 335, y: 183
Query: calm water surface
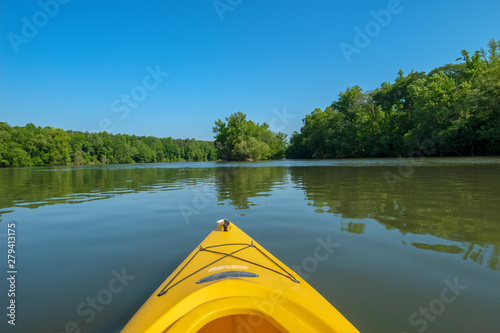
x: 405, y: 230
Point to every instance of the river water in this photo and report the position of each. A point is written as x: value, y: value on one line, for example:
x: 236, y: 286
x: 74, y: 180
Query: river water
x: 416, y: 242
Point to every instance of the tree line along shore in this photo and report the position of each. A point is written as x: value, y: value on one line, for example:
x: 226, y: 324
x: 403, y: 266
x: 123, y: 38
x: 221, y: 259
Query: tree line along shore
x: 454, y: 110
x: 31, y: 145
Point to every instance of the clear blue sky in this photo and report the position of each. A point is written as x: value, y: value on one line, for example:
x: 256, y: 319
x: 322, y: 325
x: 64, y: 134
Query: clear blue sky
x: 77, y: 62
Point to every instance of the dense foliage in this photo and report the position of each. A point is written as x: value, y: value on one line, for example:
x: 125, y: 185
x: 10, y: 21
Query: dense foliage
x: 241, y: 140
x: 452, y: 110
x: 31, y: 145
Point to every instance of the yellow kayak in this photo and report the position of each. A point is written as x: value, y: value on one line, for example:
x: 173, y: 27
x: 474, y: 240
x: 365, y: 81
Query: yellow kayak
x: 230, y: 283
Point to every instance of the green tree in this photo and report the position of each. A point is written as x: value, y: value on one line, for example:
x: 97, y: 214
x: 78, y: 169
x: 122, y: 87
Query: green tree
x: 31, y: 145
x: 241, y: 139
x: 453, y: 110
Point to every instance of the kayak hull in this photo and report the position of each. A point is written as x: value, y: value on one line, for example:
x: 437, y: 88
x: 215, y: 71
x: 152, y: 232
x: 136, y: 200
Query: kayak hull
x: 232, y: 284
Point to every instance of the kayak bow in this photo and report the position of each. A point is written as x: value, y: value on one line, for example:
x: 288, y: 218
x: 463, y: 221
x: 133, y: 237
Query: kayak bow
x: 232, y: 284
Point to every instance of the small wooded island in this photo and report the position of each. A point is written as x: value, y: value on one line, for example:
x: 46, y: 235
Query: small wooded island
x: 454, y: 110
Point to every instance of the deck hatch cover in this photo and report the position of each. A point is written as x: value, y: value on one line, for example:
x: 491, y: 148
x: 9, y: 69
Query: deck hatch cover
x: 226, y: 275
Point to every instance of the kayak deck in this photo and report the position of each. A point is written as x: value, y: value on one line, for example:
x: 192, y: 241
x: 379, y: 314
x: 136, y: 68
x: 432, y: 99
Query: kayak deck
x: 234, y: 251
x: 232, y: 284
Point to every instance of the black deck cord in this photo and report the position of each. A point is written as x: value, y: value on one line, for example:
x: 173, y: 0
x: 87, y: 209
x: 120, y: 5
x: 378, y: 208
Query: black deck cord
x: 225, y: 255
x: 165, y: 289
